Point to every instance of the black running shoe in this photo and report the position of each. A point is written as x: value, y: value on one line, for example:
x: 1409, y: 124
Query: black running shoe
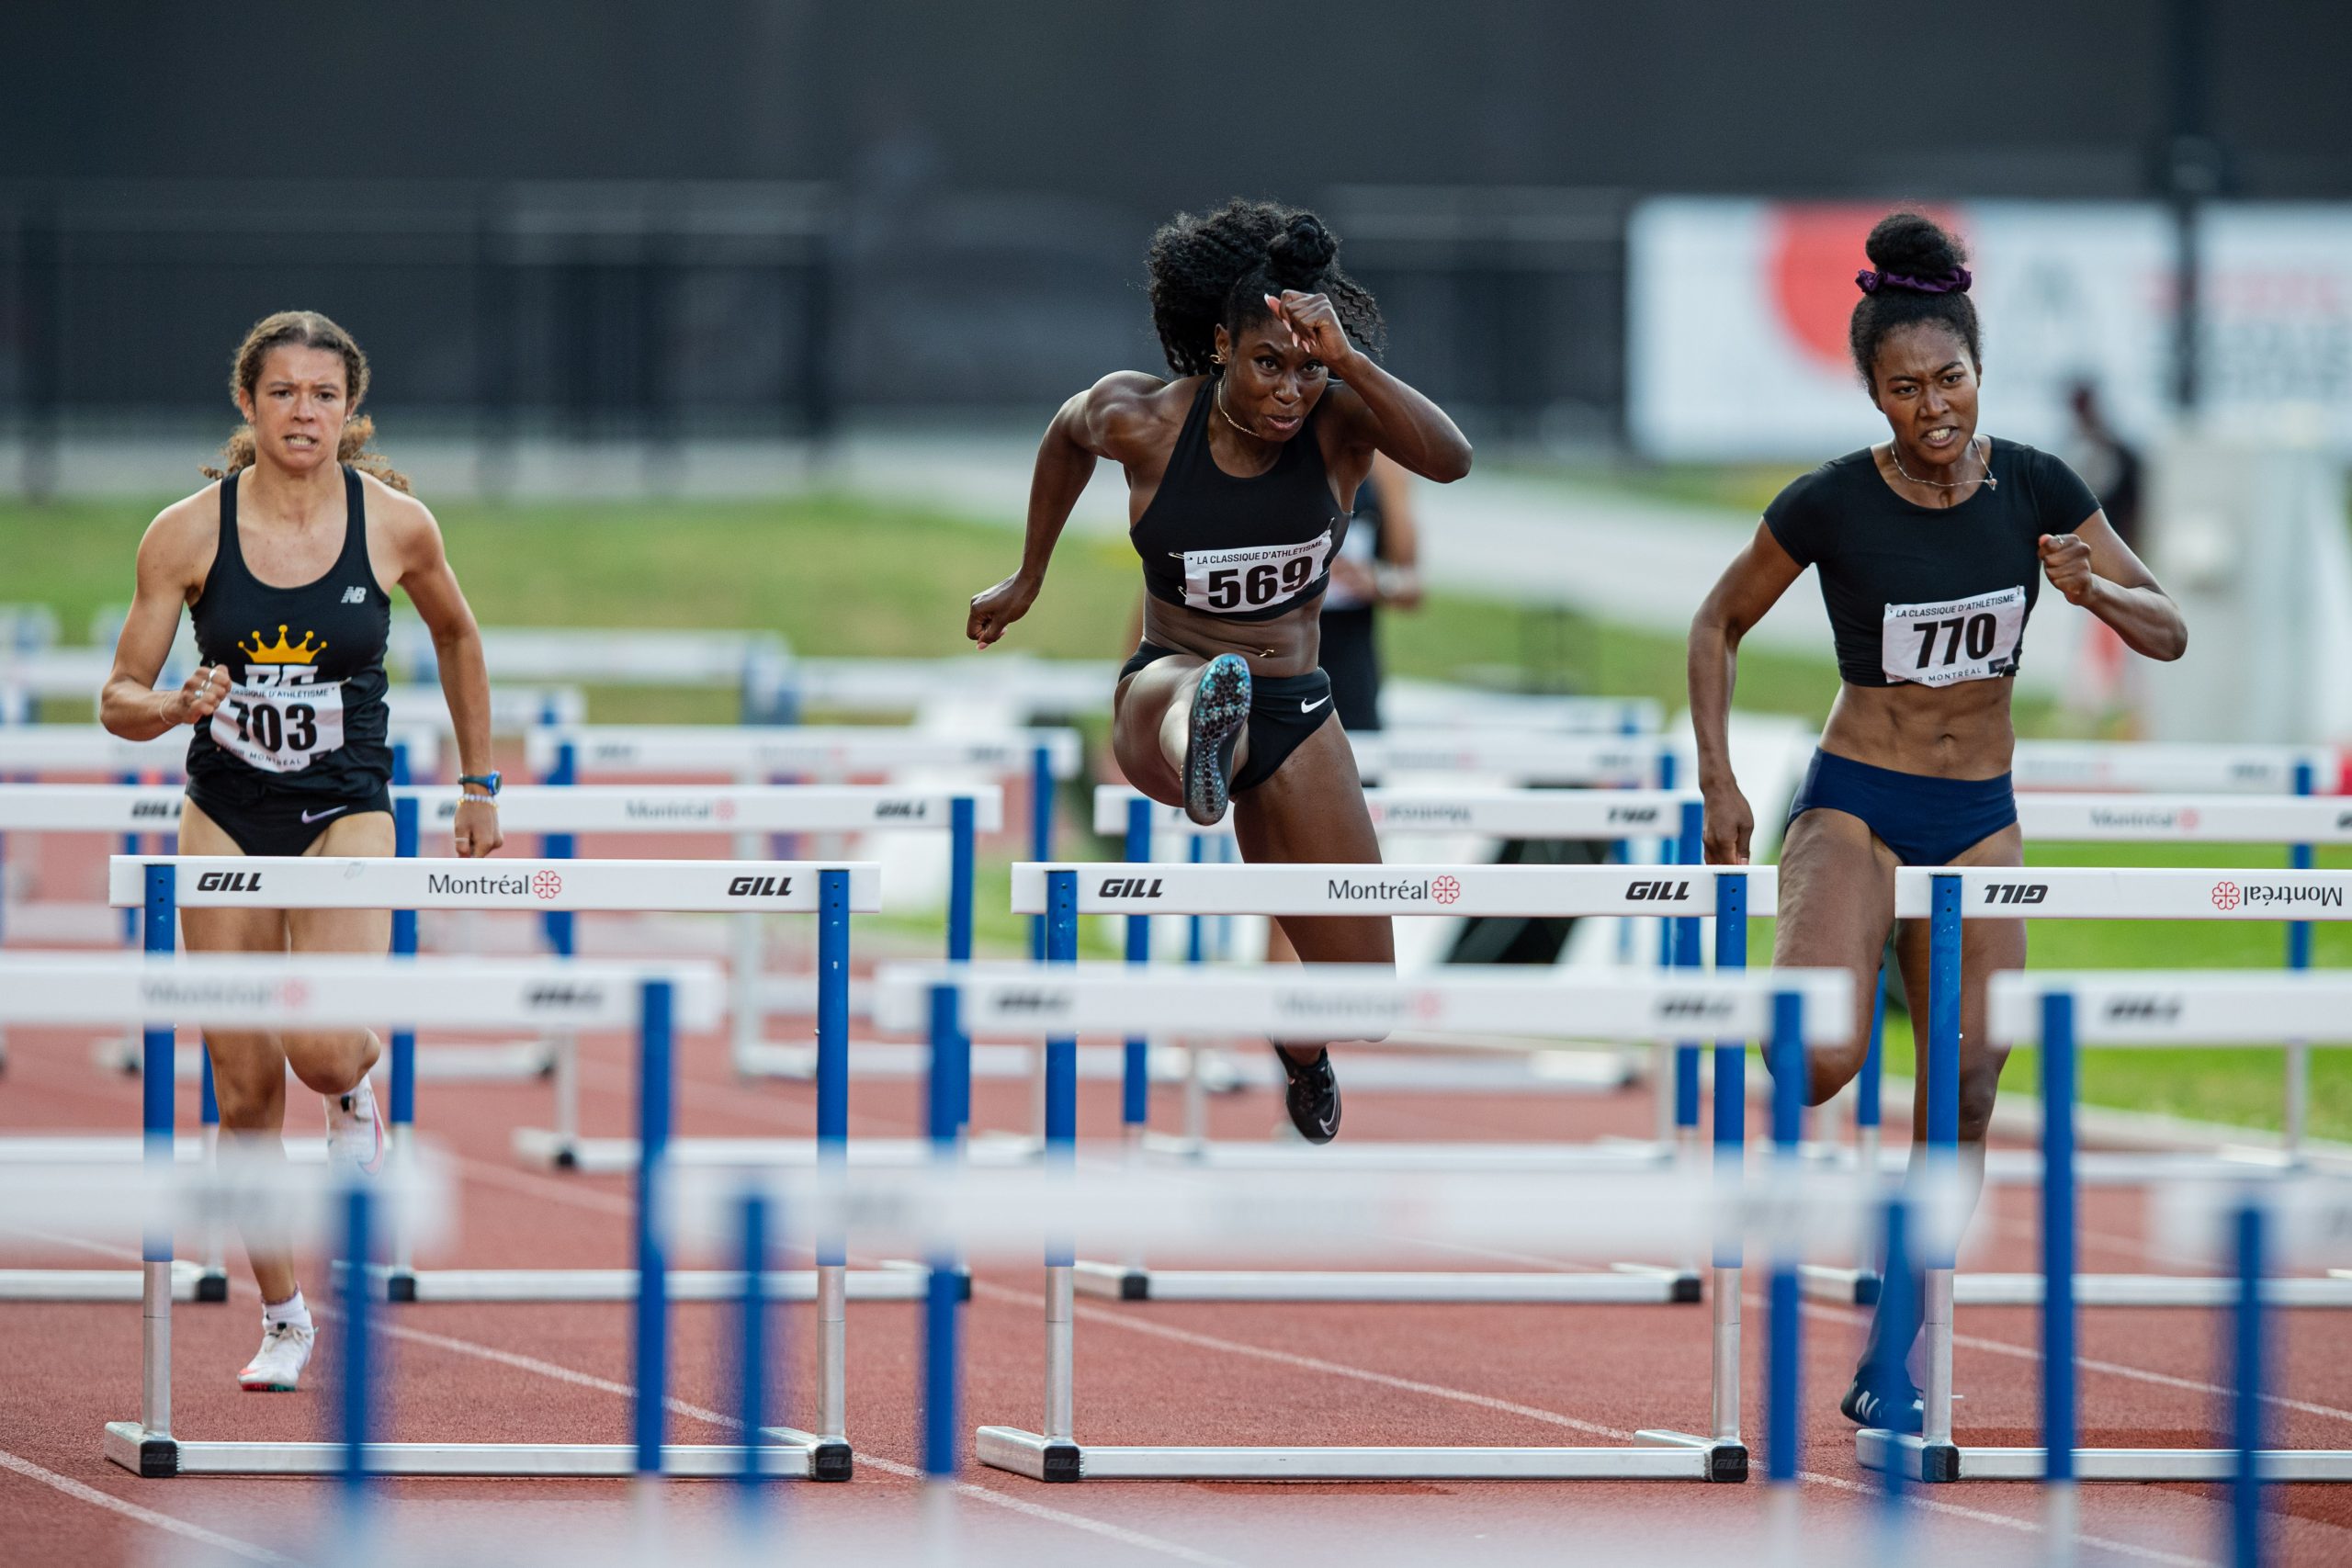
x: 1864, y: 1406
x: 1313, y: 1097
x: 1220, y: 710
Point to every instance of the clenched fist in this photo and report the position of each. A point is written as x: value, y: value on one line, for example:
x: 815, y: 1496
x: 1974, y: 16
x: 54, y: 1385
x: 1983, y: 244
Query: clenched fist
x: 2066, y: 561
x: 200, y: 694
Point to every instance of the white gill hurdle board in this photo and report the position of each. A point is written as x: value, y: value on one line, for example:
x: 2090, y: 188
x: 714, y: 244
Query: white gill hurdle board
x: 2190, y: 818
x: 2085, y: 893
x: 797, y: 749
x: 2145, y: 766
x: 514, y: 710
x: 716, y: 886
x: 1112, y: 889
x: 1556, y: 758
x: 1490, y: 813
x: 87, y: 749
x: 694, y: 808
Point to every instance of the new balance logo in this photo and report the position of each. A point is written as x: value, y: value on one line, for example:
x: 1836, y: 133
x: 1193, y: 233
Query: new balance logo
x: 355, y: 595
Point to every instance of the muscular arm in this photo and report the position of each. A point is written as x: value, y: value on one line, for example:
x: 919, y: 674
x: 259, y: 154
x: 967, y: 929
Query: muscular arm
x: 2100, y: 573
x: 1101, y: 422
x: 129, y: 705
x: 1389, y: 417
x: 1750, y: 586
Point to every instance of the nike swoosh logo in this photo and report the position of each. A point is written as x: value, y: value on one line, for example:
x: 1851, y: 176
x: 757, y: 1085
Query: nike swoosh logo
x: 308, y: 816
x: 1305, y: 706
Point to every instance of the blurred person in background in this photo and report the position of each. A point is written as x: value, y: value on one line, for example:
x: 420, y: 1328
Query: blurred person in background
x: 1378, y: 568
x: 1241, y: 470
x: 309, y: 529
x: 1931, y: 547
x: 2103, y: 688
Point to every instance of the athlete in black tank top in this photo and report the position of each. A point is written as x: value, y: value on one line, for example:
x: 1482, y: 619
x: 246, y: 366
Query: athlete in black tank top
x: 300, y: 736
x: 285, y: 565
x: 1928, y: 548
x: 1239, y: 475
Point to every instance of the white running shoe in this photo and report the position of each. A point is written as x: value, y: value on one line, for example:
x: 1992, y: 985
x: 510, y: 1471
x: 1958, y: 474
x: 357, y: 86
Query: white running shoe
x: 276, y: 1367
x: 356, y: 1131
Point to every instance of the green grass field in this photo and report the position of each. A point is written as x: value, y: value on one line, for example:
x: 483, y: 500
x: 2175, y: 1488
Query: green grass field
x: 851, y: 578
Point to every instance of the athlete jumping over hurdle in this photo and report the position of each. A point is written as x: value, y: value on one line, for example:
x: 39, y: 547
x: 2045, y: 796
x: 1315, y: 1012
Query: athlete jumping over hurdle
x: 1931, y: 546
x: 1240, y: 472
x: 310, y: 530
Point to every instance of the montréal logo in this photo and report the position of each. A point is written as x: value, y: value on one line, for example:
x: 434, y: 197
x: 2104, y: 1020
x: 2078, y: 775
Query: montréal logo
x: 229, y: 882
x: 760, y: 887
x: 547, y: 885
x: 1129, y: 888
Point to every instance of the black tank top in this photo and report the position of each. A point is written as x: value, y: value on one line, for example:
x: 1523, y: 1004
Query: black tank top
x: 305, y: 710
x: 1247, y: 549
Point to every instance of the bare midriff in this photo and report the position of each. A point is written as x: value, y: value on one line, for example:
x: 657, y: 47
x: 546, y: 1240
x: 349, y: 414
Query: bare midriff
x: 1955, y: 732
x: 1287, y: 644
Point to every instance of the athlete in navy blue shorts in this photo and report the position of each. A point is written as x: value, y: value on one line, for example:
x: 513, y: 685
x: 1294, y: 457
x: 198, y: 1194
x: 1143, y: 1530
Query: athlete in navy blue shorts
x: 1931, y: 547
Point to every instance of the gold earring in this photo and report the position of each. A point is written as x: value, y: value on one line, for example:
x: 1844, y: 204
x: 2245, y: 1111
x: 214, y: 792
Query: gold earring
x: 1217, y: 356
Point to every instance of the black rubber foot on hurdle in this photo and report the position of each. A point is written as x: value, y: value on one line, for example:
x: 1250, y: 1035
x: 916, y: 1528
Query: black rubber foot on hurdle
x: 212, y: 1287
x: 1685, y: 1286
x: 1062, y: 1461
x: 1940, y: 1463
x: 159, y: 1458
x: 830, y: 1462
x: 1866, y: 1290
x: 1727, y: 1461
x: 1135, y: 1285
x: 963, y: 1274
x: 400, y: 1287
x: 565, y: 1158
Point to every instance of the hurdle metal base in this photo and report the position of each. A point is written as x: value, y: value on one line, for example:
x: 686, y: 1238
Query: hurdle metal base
x: 1632, y: 1153
x: 1855, y: 1287
x: 794, y: 1456
x: 1654, y: 1455
x: 614, y: 1156
x: 1924, y: 1461
x: 190, y: 1282
x: 893, y: 1281
x: 1628, y: 1283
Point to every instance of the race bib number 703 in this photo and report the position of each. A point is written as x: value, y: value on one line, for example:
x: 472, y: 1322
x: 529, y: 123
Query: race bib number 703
x: 1954, y: 640
x: 280, y: 730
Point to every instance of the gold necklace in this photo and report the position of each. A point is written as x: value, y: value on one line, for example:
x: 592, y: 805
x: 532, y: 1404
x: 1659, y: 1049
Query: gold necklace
x: 1894, y: 456
x: 1218, y: 397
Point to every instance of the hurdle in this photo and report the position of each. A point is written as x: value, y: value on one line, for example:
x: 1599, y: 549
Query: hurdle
x: 2175, y: 767
x: 1945, y: 897
x: 753, y: 810
x: 1615, y: 815
x: 1065, y: 892
x: 831, y: 891
x: 1316, y: 1001
x: 2059, y: 1013
x: 289, y: 992
x: 755, y: 663
x: 759, y: 754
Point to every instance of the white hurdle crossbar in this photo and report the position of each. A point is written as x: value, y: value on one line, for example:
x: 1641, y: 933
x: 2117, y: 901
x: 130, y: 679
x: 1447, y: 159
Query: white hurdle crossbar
x: 1064, y: 892
x: 1315, y: 1002
x: 2059, y: 1013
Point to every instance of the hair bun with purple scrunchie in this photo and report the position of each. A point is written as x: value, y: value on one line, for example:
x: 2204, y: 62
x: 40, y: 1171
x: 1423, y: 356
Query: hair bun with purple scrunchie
x: 1956, y: 281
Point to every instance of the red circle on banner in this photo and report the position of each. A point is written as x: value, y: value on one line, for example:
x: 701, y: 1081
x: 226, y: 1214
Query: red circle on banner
x: 1812, y: 252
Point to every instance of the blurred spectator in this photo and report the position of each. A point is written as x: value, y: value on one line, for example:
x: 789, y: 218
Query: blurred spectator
x: 2102, y: 689
x: 1379, y: 565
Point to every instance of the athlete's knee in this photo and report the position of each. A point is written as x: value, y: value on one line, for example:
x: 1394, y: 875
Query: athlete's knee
x: 332, y: 1063
x: 249, y: 1088
x: 1980, y: 1083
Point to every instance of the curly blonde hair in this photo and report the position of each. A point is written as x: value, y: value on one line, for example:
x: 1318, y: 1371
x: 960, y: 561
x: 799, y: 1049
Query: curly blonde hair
x: 305, y: 329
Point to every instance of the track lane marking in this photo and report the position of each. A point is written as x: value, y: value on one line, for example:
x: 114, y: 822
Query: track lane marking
x: 170, y: 1524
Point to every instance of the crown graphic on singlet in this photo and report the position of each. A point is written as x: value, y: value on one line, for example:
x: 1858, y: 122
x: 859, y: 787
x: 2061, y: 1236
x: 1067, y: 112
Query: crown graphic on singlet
x: 283, y: 652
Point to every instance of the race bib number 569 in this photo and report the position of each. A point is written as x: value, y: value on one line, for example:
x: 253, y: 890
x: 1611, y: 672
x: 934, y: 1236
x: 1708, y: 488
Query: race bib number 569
x: 1254, y: 577
x: 1954, y: 641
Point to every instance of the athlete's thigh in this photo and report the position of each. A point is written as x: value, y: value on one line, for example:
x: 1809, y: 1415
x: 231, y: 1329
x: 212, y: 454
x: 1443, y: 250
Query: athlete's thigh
x: 1137, y: 711
x: 368, y: 835
x: 1836, y: 904
x: 1312, y: 809
x: 223, y: 930
x: 1985, y: 946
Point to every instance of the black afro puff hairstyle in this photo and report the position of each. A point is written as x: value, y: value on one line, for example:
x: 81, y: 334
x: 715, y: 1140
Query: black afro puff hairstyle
x: 1909, y: 244
x: 1217, y: 268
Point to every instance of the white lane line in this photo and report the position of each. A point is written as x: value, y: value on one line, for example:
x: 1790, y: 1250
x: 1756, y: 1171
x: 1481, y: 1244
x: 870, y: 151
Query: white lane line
x: 557, y: 1373
x: 148, y: 1517
x: 1532, y: 1413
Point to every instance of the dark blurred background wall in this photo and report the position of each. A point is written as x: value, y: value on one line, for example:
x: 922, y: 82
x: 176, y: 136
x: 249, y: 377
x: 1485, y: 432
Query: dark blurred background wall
x: 766, y: 215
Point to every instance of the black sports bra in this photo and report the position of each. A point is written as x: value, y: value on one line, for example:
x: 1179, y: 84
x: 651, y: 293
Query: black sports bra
x: 1247, y: 549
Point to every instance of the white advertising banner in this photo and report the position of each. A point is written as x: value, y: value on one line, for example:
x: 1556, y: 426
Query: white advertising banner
x: 1737, y: 309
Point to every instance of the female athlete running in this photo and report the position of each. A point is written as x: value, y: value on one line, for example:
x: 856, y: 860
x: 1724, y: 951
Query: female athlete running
x: 287, y: 567
x: 1240, y: 474
x: 1931, y: 547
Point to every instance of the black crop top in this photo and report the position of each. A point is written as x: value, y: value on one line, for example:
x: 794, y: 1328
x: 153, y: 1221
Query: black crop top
x: 1247, y: 549
x: 1926, y: 595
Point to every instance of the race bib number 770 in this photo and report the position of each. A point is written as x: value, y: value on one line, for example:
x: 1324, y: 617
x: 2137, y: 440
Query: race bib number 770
x: 1954, y: 640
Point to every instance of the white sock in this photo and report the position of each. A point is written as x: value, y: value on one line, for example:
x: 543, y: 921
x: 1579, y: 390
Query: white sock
x: 291, y: 1310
